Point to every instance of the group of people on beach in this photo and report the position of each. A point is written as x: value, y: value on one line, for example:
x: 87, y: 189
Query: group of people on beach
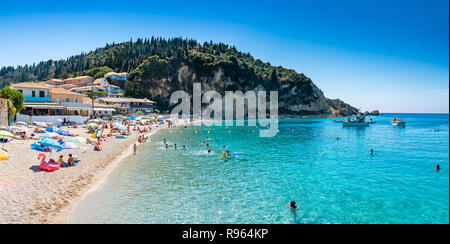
x: 70, y: 161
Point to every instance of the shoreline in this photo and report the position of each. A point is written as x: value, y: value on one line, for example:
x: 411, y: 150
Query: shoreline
x: 101, y: 178
x: 29, y: 195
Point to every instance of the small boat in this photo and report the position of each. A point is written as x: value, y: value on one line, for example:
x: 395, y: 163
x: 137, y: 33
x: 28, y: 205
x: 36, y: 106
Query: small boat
x: 398, y: 122
x: 358, y: 120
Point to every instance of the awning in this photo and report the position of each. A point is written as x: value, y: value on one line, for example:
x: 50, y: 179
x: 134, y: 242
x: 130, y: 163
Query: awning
x: 78, y: 108
x: 39, y: 106
x: 104, y: 109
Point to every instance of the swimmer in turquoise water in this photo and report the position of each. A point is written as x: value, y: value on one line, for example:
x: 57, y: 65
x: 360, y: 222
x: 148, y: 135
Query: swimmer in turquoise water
x: 438, y: 168
x: 292, y: 206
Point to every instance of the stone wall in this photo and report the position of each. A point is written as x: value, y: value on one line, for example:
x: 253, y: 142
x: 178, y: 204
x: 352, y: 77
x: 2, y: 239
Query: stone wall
x: 3, y: 112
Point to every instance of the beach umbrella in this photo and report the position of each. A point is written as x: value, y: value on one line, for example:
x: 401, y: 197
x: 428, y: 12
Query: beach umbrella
x: 63, y: 132
x: 41, y: 124
x: 92, y: 125
x: 52, y: 129
x: 120, y: 127
x: 70, y: 145
x: 95, y: 121
x: 5, y: 134
x: 48, y: 135
x: 3, y: 155
x: 21, y: 123
x: 78, y: 140
x: 51, y: 143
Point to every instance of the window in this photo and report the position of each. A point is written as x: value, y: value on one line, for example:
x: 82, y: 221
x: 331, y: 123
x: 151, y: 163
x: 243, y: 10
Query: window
x: 41, y: 93
x: 58, y: 100
x: 75, y: 100
x: 33, y: 93
x: 67, y: 100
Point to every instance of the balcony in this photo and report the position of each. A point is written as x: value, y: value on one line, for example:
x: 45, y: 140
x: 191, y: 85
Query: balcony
x: 38, y: 99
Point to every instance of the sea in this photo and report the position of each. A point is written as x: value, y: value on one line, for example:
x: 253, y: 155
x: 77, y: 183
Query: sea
x: 327, y: 169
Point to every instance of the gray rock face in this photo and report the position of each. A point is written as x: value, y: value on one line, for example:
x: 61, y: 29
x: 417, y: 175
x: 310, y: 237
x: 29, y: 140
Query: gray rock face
x: 298, y: 97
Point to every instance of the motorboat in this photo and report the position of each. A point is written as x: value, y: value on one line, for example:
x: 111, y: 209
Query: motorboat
x: 357, y: 120
x: 398, y: 122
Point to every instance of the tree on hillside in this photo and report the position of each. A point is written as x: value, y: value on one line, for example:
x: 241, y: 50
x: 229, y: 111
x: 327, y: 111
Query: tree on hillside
x: 15, y: 101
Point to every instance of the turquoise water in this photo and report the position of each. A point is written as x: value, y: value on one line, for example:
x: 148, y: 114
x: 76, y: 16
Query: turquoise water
x: 332, y: 181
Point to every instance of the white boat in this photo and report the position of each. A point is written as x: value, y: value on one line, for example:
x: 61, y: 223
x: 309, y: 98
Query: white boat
x: 358, y: 120
x: 398, y: 122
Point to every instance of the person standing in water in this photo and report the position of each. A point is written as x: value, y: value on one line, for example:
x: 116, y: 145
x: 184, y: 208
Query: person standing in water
x: 438, y: 168
x: 166, y: 146
x: 175, y: 146
x: 292, y: 206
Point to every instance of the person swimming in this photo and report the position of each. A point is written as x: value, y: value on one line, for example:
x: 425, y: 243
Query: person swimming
x: 184, y: 146
x: 371, y: 151
x: 209, y: 151
x: 166, y: 146
x: 292, y: 206
x: 438, y: 167
x: 228, y: 153
x: 164, y: 140
x: 223, y: 154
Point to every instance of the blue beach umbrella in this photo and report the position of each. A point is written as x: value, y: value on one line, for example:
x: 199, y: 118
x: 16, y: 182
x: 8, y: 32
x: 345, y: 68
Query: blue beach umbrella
x: 48, y: 135
x: 51, y: 143
x: 63, y: 132
x: 52, y: 129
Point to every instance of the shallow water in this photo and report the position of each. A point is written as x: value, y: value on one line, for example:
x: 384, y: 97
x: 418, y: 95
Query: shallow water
x: 332, y: 181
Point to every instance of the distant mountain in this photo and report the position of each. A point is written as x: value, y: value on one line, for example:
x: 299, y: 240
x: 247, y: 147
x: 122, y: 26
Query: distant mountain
x: 160, y: 66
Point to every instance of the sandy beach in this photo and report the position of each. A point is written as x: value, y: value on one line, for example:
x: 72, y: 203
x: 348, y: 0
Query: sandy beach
x: 29, y: 195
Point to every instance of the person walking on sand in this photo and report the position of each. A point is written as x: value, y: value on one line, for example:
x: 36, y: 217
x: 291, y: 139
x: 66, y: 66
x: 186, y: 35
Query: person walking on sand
x: 134, y: 148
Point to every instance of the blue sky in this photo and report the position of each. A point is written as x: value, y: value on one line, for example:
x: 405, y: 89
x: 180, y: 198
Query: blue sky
x: 386, y: 55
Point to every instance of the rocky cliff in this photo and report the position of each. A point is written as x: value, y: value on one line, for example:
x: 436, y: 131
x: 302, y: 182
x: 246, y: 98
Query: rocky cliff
x: 159, y: 66
x: 296, y: 97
